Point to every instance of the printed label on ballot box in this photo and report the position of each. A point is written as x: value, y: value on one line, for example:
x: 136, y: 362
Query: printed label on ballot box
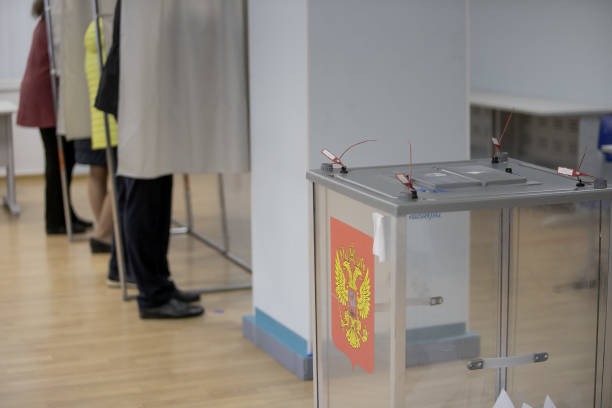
x: 352, y: 294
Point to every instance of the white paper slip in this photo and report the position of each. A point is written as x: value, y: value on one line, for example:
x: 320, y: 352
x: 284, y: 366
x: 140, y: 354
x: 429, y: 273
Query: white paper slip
x: 526, y: 406
x: 503, y: 401
x: 565, y: 171
x: 548, y: 403
x: 328, y: 154
x: 379, y: 247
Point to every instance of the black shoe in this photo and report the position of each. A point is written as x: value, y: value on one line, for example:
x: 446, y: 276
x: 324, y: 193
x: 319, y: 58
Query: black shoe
x: 113, y: 282
x: 61, y: 229
x: 174, y: 309
x: 99, y: 247
x: 82, y: 223
x: 186, y: 296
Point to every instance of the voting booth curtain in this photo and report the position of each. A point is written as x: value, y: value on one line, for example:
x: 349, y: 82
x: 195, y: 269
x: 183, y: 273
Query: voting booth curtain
x: 183, y: 88
x: 70, y: 21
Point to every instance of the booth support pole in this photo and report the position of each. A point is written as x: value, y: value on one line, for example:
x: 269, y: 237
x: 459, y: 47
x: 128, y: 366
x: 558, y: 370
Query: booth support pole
x: 60, y: 146
x: 182, y: 227
x: 110, y: 160
x: 224, y: 228
x: 188, y: 208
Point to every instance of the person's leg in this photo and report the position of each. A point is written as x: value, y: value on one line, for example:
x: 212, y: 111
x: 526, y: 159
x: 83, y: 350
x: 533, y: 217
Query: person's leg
x: 54, y: 200
x: 147, y: 229
x: 69, y: 161
x: 166, y: 221
x: 165, y: 201
x: 96, y: 188
x: 100, y: 202
x: 54, y: 210
x: 144, y: 243
x: 113, y: 266
x: 79, y: 224
x: 104, y: 227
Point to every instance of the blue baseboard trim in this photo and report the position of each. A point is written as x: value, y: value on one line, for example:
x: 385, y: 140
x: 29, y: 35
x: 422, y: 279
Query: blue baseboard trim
x: 427, y: 345
x: 287, y: 347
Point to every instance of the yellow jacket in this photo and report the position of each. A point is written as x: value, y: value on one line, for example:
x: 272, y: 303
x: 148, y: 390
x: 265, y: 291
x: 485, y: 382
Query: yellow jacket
x: 92, y: 70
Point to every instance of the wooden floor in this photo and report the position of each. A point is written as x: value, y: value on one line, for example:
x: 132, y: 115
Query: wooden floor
x: 66, y: 340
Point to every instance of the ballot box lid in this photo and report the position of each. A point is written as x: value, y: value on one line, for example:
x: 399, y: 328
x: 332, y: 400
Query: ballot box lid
x: 458, y: 186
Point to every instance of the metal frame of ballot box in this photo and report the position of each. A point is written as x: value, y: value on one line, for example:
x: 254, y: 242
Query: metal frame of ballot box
x: 511, y: 194
x: 183, y: 227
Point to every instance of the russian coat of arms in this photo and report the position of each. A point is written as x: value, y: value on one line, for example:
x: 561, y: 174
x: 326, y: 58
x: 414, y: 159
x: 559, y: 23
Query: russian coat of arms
x: 352, y: 292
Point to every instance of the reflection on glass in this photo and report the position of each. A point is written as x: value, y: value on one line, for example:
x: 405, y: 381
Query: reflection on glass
x: 553, y: 302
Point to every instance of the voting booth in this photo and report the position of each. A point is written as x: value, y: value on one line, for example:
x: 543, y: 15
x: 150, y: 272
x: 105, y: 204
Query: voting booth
x: 440, y: 285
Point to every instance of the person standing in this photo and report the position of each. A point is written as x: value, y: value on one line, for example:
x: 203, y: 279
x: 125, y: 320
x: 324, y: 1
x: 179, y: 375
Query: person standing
x: 91, y: 151
x: 144, y: 211
x: 36, y: 110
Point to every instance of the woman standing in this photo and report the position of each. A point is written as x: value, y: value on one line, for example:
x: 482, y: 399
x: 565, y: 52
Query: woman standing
x: 92, y: 151
x: 36, y: 110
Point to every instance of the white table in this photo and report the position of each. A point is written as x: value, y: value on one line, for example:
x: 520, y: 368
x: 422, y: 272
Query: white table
x: 7, y: 157
x: 533, y: 106
x: 588, y: 121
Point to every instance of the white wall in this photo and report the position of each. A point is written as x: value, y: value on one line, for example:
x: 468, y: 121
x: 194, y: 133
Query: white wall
x: 396, y: 71
x: 391, y: 70
x: 550, y: 49
x: 279, y: 147
x: 16, y: 27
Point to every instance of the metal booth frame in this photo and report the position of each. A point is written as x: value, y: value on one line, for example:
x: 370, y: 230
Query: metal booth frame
x: 183, y: 228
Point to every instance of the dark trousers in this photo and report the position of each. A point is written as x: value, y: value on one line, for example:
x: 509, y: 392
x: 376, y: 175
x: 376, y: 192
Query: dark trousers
x: 145, y: 210
x: 54, y: 203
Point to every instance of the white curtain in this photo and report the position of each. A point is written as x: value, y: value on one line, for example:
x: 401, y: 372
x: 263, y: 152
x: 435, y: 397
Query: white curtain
x: 106, y: 8
x: 70, y: 20
x: 70, y: 58
x: 56, y: 20
x: 183, y: 88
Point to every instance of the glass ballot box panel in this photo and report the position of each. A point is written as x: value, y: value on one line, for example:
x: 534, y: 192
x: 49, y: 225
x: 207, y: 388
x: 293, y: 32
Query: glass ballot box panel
x: 452, y: 307
x: 553, y: 303
x: 352, y: 343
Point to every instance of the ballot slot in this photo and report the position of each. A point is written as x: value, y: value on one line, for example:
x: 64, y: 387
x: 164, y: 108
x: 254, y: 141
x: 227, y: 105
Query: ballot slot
x: 486, y: 175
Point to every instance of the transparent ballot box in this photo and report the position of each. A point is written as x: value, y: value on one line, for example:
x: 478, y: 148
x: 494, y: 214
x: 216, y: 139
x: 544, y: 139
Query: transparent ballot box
x: 469, y: 279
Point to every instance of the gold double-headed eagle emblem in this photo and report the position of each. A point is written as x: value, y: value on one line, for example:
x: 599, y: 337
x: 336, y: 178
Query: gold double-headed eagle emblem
x: 353, y: 292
